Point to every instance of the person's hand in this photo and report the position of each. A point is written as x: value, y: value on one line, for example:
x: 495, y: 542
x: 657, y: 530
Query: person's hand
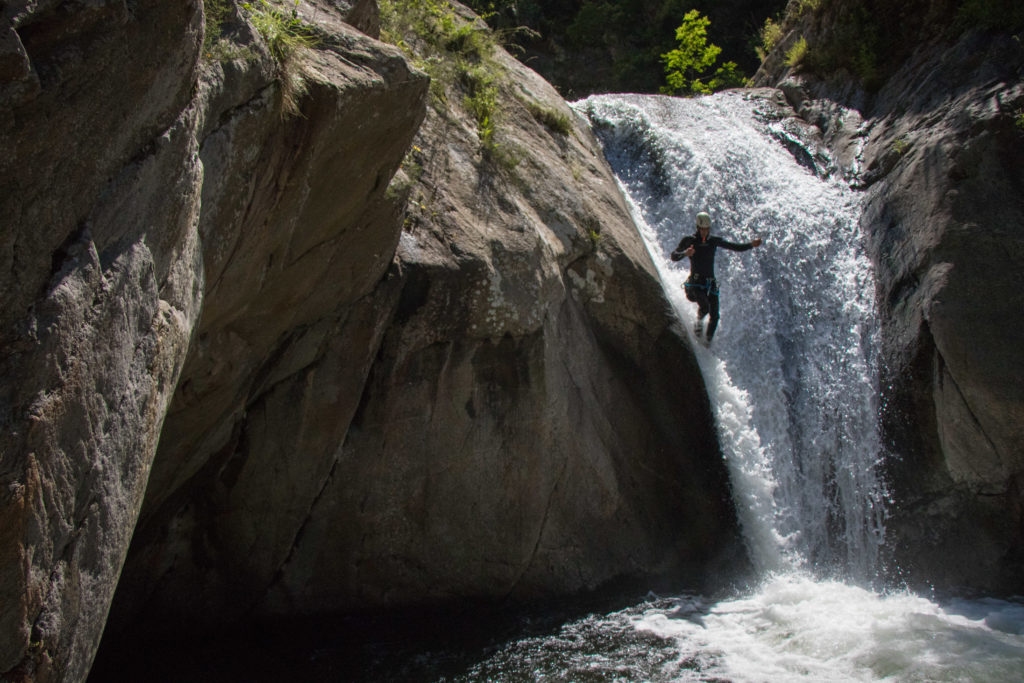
x: 757, y: 242
x: 689, y: 250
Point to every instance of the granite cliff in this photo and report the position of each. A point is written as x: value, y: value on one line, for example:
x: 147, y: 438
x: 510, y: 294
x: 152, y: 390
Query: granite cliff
x: 466, y: 425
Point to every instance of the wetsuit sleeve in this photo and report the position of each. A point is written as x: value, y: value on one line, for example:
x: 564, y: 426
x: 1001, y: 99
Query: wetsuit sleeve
x: 684, y: 244
x: 735, y: 246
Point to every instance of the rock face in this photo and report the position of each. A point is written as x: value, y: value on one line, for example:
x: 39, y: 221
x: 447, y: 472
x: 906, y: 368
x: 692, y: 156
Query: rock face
x: 127, y: 197
x: 99, y: 199
x: 938, y: 152
x: 519, y: 434
x: 359, y: 403
x: 947, y: 226
x: 510, y: 412
x: 297, y: 232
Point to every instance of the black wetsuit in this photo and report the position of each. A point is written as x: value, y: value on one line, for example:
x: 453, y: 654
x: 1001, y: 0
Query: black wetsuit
x: 701, y: 286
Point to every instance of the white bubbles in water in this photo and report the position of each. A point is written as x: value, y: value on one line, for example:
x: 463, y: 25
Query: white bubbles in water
x: 796, y: 628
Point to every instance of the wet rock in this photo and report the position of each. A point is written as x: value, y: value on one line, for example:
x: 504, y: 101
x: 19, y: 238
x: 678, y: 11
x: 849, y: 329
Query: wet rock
x: 945, y: 221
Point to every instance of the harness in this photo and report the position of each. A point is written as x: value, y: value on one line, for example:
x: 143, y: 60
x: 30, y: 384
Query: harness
x: 708, y: 284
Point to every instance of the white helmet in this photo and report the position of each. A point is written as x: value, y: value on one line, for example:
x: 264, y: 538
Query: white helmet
x: 703, y: 220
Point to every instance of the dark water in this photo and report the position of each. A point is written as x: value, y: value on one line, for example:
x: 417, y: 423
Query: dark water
x: 591, y: 640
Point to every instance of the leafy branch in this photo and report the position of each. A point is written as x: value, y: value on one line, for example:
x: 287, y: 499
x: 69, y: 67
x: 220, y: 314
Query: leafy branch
x: 688, y: 67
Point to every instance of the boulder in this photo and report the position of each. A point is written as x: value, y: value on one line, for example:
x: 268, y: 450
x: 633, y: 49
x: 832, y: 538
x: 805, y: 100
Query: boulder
x: 534, y: 423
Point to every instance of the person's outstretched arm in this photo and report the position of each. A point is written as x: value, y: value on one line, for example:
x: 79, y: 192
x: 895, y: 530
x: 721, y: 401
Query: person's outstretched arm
x: 740, y: 246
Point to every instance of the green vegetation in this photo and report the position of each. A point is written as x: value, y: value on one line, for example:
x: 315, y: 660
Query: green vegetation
x: 454, y: 51
x: 215, y: 12
x: 688, y: 63
x: 482, y: 102
x: 554, y: 121
x: 771, y: 34
x: 588, y: 46
x: 803, y: 7
x: 688, y: 67
x: 869, y: 39
x: 852, y: 46
x: 901, y: 145
x: 286, y: 37
x: 797, y: 53
x: 284, y: 32
x: 432, y: 28
x: 1018, y: 119
x: 216, y: 46
x: 458, y: 55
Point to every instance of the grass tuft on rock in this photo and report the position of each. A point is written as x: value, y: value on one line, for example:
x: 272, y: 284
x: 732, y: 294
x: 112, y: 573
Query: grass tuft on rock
x: 287, y: 37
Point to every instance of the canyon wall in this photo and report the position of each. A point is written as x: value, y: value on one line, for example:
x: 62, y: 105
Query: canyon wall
x: 510, y: 411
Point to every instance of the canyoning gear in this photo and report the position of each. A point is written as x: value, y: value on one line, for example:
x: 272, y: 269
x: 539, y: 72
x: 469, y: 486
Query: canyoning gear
x: 696, y: 282
x: 703, y: 220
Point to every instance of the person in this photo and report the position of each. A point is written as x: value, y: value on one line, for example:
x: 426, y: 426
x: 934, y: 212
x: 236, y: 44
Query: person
x: 701, y: 287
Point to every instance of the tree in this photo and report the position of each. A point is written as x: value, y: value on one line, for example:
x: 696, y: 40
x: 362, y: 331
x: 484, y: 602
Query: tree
x: 688, y: 67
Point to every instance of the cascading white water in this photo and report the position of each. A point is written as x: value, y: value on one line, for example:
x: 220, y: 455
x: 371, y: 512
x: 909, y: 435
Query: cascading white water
x: 792, y: 372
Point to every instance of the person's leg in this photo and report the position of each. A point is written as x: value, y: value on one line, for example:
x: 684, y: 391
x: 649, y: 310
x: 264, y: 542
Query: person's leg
x: 713, y: 320
x: 701, y: 297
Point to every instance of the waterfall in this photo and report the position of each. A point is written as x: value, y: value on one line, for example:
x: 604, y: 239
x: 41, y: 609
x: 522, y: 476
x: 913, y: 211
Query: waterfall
x: 792, y: 373
x: 793, y: 381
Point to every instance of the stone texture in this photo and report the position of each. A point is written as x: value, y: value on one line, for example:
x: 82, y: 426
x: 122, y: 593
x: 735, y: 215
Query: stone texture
x: 99, y: 204
x: 106, y: 256
x: 534, y: 423
x: 297, y: 232
x: 358, y: 403
x: 946, y: 222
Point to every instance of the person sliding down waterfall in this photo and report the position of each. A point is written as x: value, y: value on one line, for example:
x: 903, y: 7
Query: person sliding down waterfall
x: 701, y: 286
